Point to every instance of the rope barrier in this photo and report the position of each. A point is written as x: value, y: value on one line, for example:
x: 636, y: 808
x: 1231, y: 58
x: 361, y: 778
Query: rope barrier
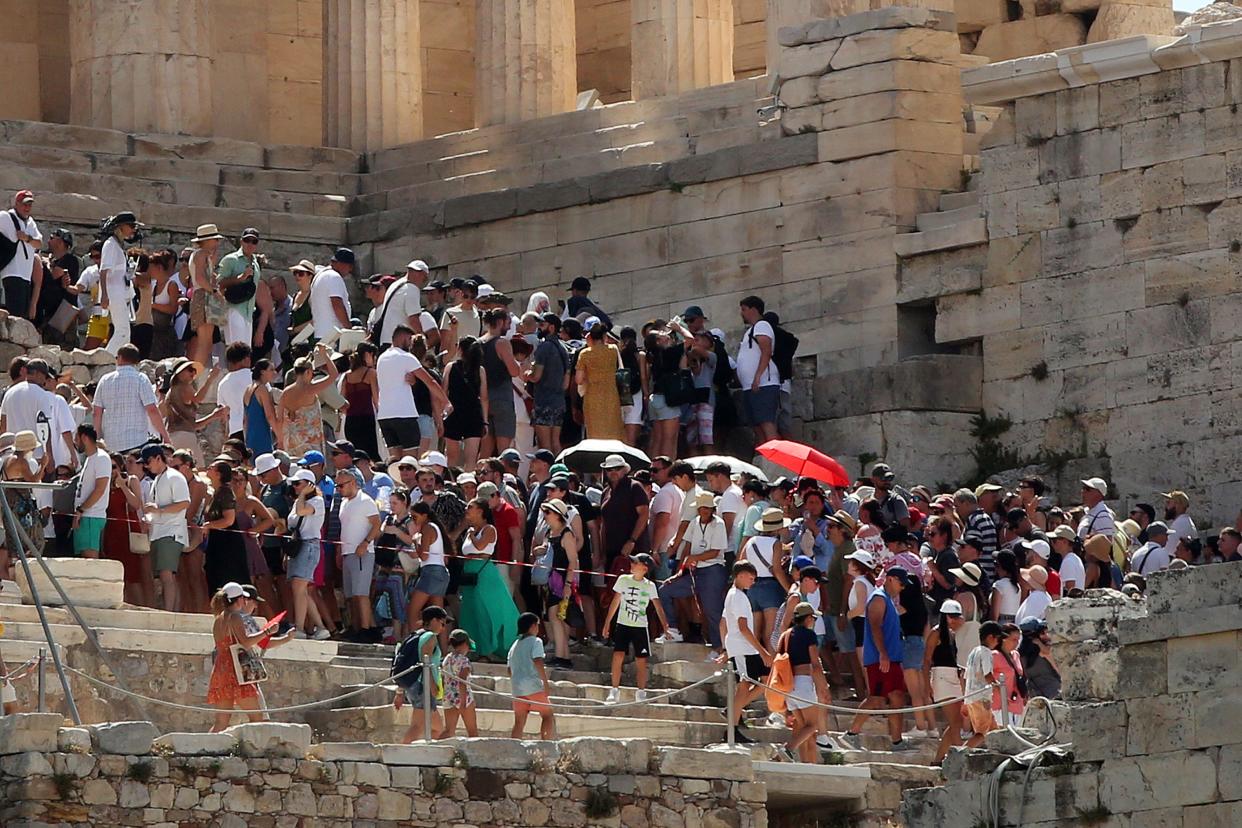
x: 593, y: 704
x: 884, y: 711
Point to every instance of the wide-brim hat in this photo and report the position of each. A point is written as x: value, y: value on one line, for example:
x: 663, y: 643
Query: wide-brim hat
x: 1035, y: 575
x: 181, y: 364
x: 773, y: 520
x: 845, y: 521
x: 305, y: 266
x: 968, y: 573
x: 394, y: 468
x: 25, y: 441
x: 206, y: 232
x: 555, y: 505
x: 705, y: 500
x: 1099, y: 547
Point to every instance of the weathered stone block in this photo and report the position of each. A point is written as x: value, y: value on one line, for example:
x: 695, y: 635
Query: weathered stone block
x: 198, y: 744
x: 597, y: 755
x: 1117, y: 20
x: 705, y: 764
x: 126, y: 738
x: 73, y: 740
x: 1159, y: 724
x: 1031, y: 36
x: 88, y: 583
x: 272, y: 739
x: 1158, y: 781
x: 968, y: 315
x: 939, y: 274
x: 1167, y: 138
x: 1204, y: 662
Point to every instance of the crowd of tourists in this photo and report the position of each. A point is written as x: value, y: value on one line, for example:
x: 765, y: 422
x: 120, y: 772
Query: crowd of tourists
x: 410, y: 477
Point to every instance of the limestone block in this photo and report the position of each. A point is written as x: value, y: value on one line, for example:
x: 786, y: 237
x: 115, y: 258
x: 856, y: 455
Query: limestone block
x: 977, y: 15
x: 88, y: 583
x: 504, y: 754
x: 272, y: 739
x: 1148, y: 142
x: 346, y: 752
x: 98, y: 792
x: 939, y: 274
x: 596, y: 755
x: 882, y: 45
x: 705, y: 764
x: 1117, y: 20
x: 1032, y: 36
x: 968, y: 315
x: 892, y: 75
x: 23, y: 332
x: 1193, y: 589
x: 887, y: 136
x: 198, y: 744
x: 24, y: 732
x: 835, y: 23
x: 73, y: 740
x: 126, y: 738
x: 1162, y: 780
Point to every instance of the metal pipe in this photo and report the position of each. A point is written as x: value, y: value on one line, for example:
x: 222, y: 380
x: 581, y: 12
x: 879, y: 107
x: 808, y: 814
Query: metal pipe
x: 426, y: 698
x: 1004, y: 701
x: 730, y: 687
x: 15, y: 543
x: 42, y: 683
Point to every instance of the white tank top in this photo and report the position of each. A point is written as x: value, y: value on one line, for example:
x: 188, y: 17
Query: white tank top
x: 765, y: 546
x: 1010, y: 597
x: 468, y: 547
x: 435, y: 550
x: 812, y: 598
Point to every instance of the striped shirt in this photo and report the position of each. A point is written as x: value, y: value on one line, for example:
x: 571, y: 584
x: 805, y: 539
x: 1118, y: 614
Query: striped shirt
x: 980, y: 523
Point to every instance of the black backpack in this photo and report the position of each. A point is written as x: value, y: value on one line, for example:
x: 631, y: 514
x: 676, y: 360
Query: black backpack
x: 784, y: 346
x: 406, y: 656
x: 8, y: 247
x: 724, y: 377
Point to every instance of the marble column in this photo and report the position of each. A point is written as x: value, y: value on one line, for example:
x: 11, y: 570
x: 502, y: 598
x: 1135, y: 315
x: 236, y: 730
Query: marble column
x: 142, y: 65
x: 525, y: 59
x: 679, y: 45
x: 373, y: 77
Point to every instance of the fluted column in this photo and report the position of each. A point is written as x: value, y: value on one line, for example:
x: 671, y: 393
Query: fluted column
x: 525, y: 59
x: 142, y: 65
x: 373, y: 77
x: 679, y: 45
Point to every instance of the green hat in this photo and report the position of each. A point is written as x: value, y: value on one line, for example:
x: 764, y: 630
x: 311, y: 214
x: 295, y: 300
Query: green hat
x: 559, y: 470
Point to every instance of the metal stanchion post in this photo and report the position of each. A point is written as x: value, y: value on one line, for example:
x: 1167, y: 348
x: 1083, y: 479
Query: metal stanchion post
x: 42, y: 690
x: 729, y: 714
x: 426, y: 698
x: 1004, y: 700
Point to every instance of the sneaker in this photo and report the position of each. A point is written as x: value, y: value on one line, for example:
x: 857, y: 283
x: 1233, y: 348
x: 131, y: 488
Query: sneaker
x: 775, y: 720
x: 321, y: 634
x: 641, y: 696
x: 826, y: 742
x: 614, y: 696
x: 854, y: 740
x: 671, y: 636
x: 712, y: 655
x: 741, y: 738
x: 902, y: 747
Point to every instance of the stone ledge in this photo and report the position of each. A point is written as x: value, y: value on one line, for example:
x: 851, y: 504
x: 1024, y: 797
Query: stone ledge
x: 1100, y: 62
x: 901, y: 387
x: 892, y: 17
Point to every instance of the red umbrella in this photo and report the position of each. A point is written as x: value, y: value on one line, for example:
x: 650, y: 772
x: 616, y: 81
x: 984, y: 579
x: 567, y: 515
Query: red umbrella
x: 805, y: 461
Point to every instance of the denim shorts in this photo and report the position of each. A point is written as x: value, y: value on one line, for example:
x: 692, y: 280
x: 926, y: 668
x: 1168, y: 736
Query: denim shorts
x: 659, y: 411
x: 913, y: 648
x: 766, y: 594
x: 762, y: 404
x: 433, y: 579
x: 303, y: 565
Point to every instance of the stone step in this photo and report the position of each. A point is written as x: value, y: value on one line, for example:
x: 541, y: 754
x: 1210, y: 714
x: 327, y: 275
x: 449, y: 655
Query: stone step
x: 962, y: 234
x: 947, y: 218
x: 954, y: 201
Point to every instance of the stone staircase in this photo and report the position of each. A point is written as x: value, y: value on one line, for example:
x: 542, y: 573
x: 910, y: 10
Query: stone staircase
x: 141, y: 643
x: 175, y: 183
x: 958, y: 223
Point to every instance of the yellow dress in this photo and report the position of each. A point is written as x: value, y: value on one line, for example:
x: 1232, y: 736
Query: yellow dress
x: 601, y: 405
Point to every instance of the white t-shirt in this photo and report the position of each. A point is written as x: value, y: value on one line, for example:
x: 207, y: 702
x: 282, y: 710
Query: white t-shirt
x: 748, y: 356
x: 703, y: 538
x: 396, y: 396
x: 1180, y: 527
x: 356, y: 514
x: 1072, y: 569
x: 310, y: 525
x: 1035, y: 606
x: 1151, y: 558
x: 89, y: 280
x: 97, y: 466
x: 27, y: 407
x: 978, y: 666
x: 666, y: 501
x: 22, y: 263
x: 168, y: 488
x: 327, y: 284
x: 62, y: 421
x: 232, y: 392
x: 731, y: 503
x: 736, y: 607
x: 469, y: 322
x: 114, y: 266
x: 403, y: 300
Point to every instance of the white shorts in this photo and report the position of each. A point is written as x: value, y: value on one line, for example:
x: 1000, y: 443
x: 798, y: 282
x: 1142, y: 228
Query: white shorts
x: 803, y: 695
x: 8, y: 695
x: 632, y: 414
x: 945, y: 684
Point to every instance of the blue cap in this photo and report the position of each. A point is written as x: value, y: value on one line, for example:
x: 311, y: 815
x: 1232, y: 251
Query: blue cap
x: 311, y: 458
x: 803, y: 561
x: 344, y: 255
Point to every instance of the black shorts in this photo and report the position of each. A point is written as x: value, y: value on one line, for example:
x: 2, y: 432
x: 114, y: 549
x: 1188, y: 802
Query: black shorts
x: 275, y: 557
x: 624, y: 637
x: 401, y: 432
x: 751, y: 667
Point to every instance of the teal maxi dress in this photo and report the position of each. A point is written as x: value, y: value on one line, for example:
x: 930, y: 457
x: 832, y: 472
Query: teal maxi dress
x: 488, y: 613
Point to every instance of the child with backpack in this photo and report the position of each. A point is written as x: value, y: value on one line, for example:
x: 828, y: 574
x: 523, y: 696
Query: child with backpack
x: 458, y: 697
x: 528, y: 679
x: 408, y: 673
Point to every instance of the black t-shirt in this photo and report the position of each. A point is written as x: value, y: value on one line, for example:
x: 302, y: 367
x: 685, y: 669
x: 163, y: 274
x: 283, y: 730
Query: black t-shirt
x: 588, y: 512
x: 667, y: 360
x: 945, y: 561
x: 802, y: 644
x: 618, y: 511
x: 52, y: 292
x: 914, y: 619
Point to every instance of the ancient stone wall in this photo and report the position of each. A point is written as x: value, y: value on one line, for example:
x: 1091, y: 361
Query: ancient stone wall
x: 1152, y: 694
x: 264, y: 775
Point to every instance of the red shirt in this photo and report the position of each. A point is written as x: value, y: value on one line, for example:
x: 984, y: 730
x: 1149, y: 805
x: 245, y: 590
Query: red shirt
x: 1054, y: 584
x: 504, y: 518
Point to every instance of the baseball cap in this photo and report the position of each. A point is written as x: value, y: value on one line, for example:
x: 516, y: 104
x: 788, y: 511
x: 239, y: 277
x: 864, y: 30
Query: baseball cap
x: 1157, y: 527
x: 434, y: 458
x: 344, y: 255
x: 804, y: 609
x: 418, y: 264
x: 23, y: 197
x: 252, y: 592
x: 803, y: 561
x: 984, y: 488
x: 435, y: 284
x: 693, y: 312
x: 644, y: 559
x: 342, y: 447
x: 543, y: 454
x: 863, y: 557
x: 1066, y: 533
x: 354, y: 473
x: 898, y: 572
x: 486, y: 290
x: 361, y: 456
x: 559, y: 470
x: 311, y: 458
x: 250, y: 233
x: 591, y: 322
x: 510, y: 455
x: 264, y: 463
x: 233, y: 590
x: 1177, y: 496
x: 1041, y: 548
x: 882, y: 471
x: 487, y: 489
x: 951, y: 607
x: 1097, y: 483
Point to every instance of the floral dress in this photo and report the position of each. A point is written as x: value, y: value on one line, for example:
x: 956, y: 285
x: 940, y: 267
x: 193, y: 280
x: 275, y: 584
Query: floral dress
x: 455, y: 669
x: 303, y: 430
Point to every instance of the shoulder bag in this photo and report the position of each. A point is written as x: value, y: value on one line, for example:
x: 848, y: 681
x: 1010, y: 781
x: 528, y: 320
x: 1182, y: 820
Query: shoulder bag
x: 293, y: 542
x: 247, y: 666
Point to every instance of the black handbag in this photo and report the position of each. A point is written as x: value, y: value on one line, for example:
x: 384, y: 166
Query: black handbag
x: 624, y: 386
x: 677, y: 387
x: 292, y: 543
x: 240, y: 292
